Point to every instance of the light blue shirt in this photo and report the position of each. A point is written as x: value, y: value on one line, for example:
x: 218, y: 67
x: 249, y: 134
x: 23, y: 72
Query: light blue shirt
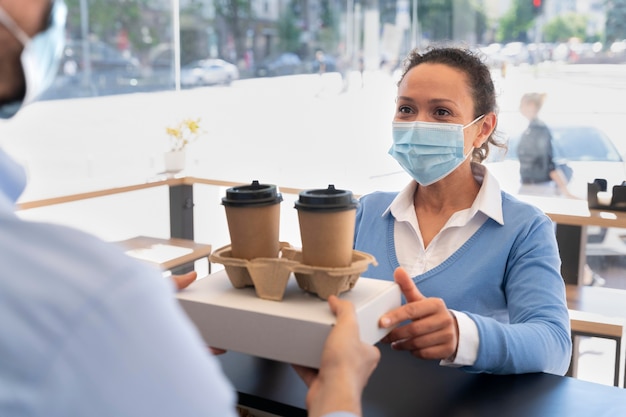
x: 88, y: 331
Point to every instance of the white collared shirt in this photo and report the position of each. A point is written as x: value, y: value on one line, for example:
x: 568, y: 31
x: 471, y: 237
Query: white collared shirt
x: 416, y: 259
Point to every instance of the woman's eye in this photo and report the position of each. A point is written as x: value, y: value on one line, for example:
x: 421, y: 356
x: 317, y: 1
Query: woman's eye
x: 404, y: 109
x: 442, y: 112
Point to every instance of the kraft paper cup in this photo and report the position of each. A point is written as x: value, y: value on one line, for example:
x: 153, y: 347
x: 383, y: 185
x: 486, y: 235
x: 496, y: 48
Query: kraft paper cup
x: 253, y: 215
x: 327, y: 219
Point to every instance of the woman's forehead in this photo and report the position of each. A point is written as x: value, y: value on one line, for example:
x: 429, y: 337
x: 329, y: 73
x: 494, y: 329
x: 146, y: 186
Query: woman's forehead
x: 430, y: 81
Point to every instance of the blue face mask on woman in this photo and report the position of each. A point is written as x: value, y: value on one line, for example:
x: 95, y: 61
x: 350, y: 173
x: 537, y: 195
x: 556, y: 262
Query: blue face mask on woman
x: 41, y: 55
x: 428, y: 151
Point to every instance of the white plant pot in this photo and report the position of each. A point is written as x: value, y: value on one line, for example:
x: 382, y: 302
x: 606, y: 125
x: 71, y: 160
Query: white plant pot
x: 174, y: 161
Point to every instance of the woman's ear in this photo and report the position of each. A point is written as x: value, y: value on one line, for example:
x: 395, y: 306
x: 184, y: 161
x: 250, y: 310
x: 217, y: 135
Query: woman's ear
x: 486, y: 126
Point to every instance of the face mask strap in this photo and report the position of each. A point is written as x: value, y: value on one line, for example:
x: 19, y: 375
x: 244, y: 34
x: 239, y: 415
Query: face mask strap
x: 13, y: 27
x: 473, y: 121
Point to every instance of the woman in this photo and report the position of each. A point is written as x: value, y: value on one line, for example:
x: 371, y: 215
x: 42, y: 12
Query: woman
x: 538, y: 172
x: 490, y: 297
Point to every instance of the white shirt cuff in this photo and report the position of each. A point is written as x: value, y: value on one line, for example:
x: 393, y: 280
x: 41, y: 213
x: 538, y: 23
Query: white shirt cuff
x: 467, y: 351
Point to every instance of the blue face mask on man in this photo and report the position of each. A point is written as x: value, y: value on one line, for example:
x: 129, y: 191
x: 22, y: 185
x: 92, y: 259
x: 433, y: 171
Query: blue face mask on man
x: 41, y: 55
x: 429, y: 151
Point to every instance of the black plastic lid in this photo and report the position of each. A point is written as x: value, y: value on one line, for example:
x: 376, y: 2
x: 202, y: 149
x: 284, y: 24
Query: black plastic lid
x: 254, y: 194
x: 329, y: 199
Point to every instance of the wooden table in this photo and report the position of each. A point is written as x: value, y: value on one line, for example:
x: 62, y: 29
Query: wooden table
x: 194, y: 251
x: 572, y: 218
x: 609, y: 304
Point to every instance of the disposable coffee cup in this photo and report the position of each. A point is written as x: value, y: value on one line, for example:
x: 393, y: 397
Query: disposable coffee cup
x: 327, y: 219
x: 253, y: 216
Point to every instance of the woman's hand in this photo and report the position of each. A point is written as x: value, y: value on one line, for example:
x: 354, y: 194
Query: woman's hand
x: 432, y: 333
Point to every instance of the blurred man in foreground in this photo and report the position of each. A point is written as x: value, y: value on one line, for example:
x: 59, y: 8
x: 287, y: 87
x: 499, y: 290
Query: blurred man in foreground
x: 88, y: 331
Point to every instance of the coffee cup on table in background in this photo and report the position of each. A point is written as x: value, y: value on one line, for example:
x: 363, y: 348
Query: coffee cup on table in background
x: 253, y: 216
x: 327, y: 219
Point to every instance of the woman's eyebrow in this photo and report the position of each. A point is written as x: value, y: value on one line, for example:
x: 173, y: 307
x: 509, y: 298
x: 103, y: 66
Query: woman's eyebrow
x: 442, y: 101
x: 430, y: 101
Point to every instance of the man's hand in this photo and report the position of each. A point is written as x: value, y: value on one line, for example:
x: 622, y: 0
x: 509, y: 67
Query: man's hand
x: 184, y: 280
x: 346, y: 366
x: 432, y: 332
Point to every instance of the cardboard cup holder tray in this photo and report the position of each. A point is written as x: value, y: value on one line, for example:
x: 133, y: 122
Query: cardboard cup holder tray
x: 269, y: 276
x: 595, y: 200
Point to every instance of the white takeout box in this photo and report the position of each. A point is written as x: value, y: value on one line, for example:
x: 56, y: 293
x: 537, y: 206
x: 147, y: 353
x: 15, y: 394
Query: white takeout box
x: 293, y: 330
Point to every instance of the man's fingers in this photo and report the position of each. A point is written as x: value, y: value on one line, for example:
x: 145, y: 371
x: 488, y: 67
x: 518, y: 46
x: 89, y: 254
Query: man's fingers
x: 184, y: 280
x: 333, y: 302
x: 217, y: 351
x: 342, y: 309
x: 307, y: 375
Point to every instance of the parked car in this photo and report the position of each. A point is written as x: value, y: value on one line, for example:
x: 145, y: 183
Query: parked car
x: 590, y: 154
x: 284, y: 64
x: 208, y: 72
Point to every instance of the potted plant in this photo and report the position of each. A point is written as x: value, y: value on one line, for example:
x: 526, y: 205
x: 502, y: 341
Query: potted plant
x: 184, y: 133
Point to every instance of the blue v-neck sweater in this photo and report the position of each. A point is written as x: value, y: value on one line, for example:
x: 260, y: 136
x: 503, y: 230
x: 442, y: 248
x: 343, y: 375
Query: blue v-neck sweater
x: 505, y: 277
